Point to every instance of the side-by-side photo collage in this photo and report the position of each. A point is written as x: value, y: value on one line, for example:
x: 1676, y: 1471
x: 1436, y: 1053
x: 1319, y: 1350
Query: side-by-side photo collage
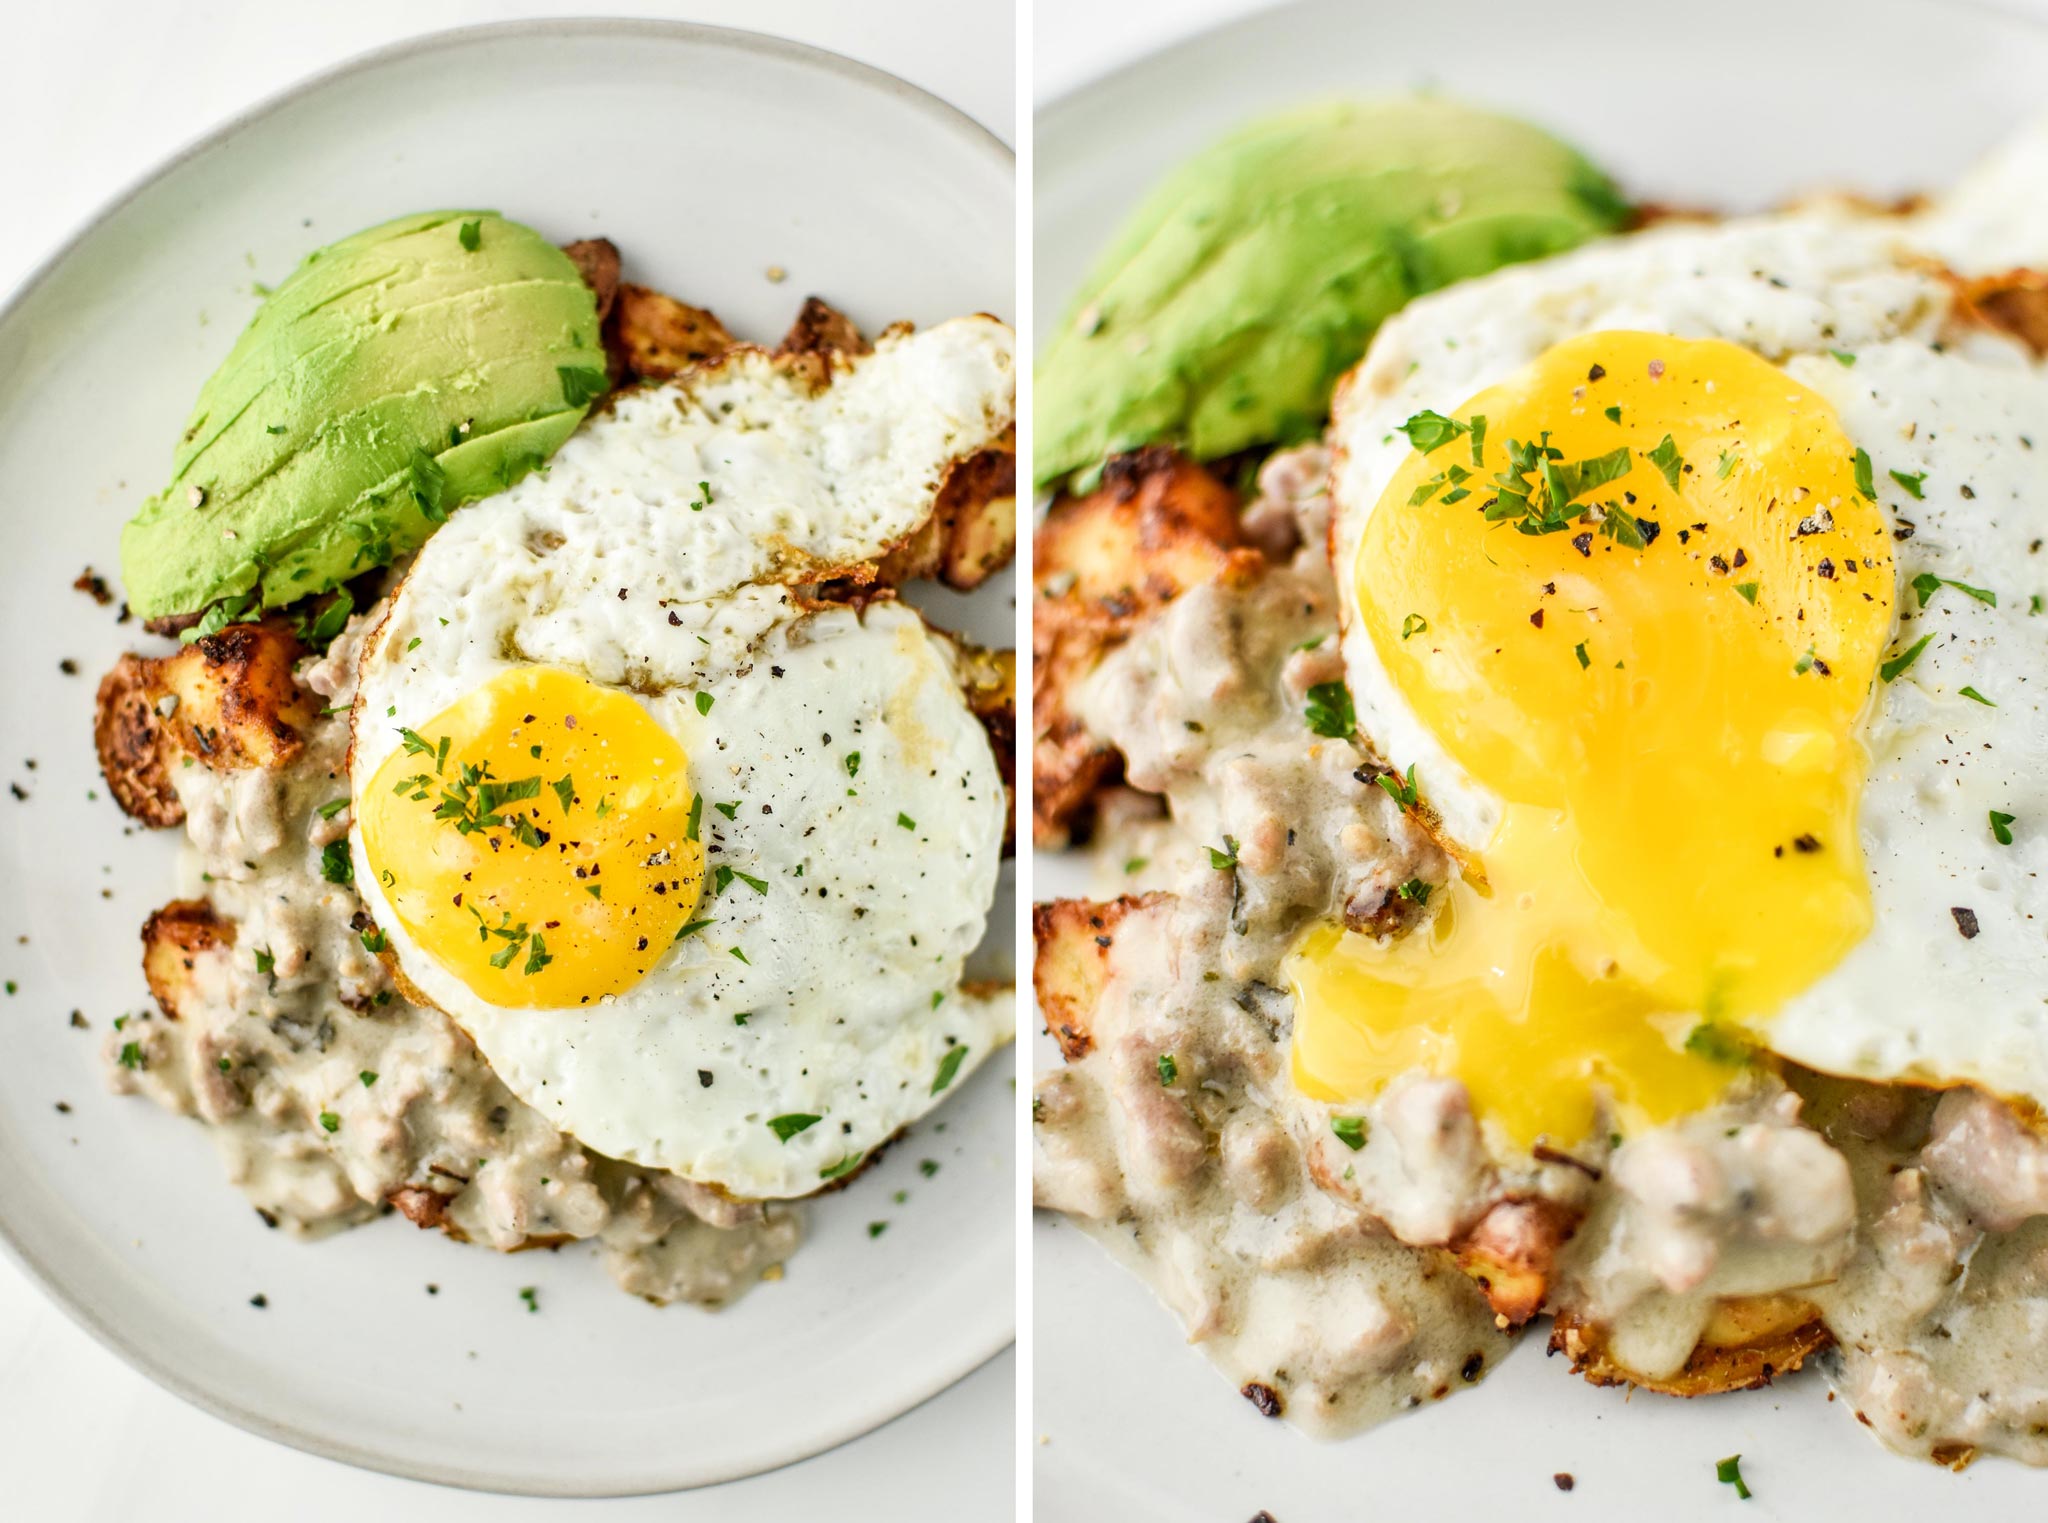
x: 1233, y: 761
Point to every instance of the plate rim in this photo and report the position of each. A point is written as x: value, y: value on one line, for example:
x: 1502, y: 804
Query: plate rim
x: 944, y: 117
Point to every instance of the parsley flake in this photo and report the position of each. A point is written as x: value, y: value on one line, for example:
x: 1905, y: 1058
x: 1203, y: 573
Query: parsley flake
x: 949, y: 1066
x: 786, y: 1127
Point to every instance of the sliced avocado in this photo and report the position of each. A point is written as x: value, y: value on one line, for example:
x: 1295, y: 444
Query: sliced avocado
x: 1254, y: 274
x: 391, y: 377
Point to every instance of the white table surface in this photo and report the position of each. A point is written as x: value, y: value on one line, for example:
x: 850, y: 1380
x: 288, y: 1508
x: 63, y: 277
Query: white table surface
x: 99, y: 91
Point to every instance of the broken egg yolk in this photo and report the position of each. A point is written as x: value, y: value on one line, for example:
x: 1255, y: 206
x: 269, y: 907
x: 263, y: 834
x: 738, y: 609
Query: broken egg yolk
x: 1638, y: 595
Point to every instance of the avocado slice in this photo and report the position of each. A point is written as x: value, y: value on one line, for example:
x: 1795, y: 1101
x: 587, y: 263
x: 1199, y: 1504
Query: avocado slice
x: 1254, y: 274
x: 393, y: 376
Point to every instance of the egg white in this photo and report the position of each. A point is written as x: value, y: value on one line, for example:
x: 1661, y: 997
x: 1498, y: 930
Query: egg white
x: 845, y: 1000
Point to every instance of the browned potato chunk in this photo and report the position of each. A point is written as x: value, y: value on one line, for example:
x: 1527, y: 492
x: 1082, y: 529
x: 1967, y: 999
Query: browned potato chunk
x: 972, y: 533
x: 653, y: 336
x: 989, y: 678
x: 1511, y: 1251
x: 2015, y: 302
x: 173, y: 939
x: 597, y: 261
x: 1074, y: 939
x: 1158, y: 525
x: 821, y: 328
x: 228, y: 700
x: 1750, y: 1341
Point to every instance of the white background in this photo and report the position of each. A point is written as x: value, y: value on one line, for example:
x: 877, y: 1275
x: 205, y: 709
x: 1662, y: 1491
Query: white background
x: 98, y: 92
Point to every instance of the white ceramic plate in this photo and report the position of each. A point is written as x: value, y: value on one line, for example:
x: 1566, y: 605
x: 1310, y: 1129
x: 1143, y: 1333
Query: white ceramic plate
x: 1733, y: 105
x: 708, y: 157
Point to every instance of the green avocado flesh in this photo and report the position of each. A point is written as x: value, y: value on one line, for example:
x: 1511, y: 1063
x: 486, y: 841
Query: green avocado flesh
x: 392, y: 376
x: 1252, y: 277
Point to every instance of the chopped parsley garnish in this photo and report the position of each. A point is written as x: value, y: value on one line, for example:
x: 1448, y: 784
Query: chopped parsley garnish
x: 1168, y: 1069
x: 476, y: 802
x: 537, y: 956
x: 703, y: 498
x: 2001, y: 827
x: 853, y: 764
x: 531, y: 1297
x: 844, y: 1167
x: 1585, y: 660
x: 1729, y: 1473
x: 1613, y: 414
x: 329, y: 1122
x: 1864, y: 483
x: 1415, y: 891
x: 1804, y: 664
x: 1311, y: 643
x: 1976, y: 697
x: 265, y: 962
x: 736, y: 952
x: 949, y: 1065
x: 1226, y: 860
x: 427, y: 483
x: 335, y: 865
x: 876, y: 1229
x: 928, y: 1167
x: 1843, y: 357
x: 1717, y: 1044
x: 565, y: 790
x: 580, y: 385
x: 413, y: 644
x: 1747, y: 591
x: 131, y: 1055
x: 375, y: 941
x: 1667, y: 460
x: 1329, y: 710
x: 758, y: 885
x: 730, y: 811
x: 1136, y: 865
x: 692, y: 928
x: 905, y: 820
x: 1729, y: 460
x: 786, y: 1127
x: 1912, y: 484
x: 329, y: 622
x: 1927, y: 584
x: 696, y: 818
x: 704, y: 702
x: 219, y: 617
x: 1894, y: 668
x: 368, y: 1076
x: 1350, y: 1131
x: 1432, y: 430
x: 1399, y: 790
x: 1414, y: 624
x: 332, y: 807
x: 472, y: 235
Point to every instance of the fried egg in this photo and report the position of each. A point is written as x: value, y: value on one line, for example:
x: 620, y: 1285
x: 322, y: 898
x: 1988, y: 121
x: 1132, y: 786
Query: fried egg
x: 697, y: 863
x: 1689, y: 585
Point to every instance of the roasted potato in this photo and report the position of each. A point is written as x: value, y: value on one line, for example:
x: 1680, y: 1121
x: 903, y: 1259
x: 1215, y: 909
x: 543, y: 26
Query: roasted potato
x: 989, y: 678
x: 1750, y: 1341
x: 1074, y: 938
x: 972, y: 533
x: 228, y: 700
x: 1511, y: 1251
x: 597, y: 261
x: 2015, y: 302
x: 821, y: 328
x: 1158, y: 525
x: 651, y: 337
x: 173, y: 939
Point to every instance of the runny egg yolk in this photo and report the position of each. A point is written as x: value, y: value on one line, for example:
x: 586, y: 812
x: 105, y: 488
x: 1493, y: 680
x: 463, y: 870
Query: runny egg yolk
x: 1664, y: 696
x: 538, y: 839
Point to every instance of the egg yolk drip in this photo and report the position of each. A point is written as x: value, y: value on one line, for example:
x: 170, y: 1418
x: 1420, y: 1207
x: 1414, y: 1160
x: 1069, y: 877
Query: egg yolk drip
x: 1639, y: 594
x: 538, y: 839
